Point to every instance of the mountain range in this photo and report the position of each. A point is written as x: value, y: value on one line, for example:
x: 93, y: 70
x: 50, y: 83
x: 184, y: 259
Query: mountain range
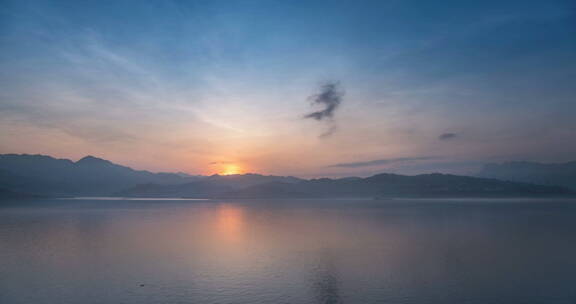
x: 88, y: 176
x: 393, y: 185
x: 561, y: 174
x: 23, y: 175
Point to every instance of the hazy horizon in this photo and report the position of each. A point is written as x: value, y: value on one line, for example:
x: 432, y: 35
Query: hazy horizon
x: 227, y: 173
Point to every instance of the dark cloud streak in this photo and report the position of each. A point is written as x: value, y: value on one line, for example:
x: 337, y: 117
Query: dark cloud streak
x: 330, y: 97
x: 447, y: 136
x: 387, y: 161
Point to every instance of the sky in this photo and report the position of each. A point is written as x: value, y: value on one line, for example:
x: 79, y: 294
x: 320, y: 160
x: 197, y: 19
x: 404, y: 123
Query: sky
x: 205, y: 86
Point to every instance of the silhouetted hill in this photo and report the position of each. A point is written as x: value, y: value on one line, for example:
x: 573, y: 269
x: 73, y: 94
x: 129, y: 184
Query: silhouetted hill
x: 381, y: 185
x: 237, y: 181
x: 561, y: 174
x: 88, y: 176
x: 210, y: 186
x: 95, y: 176
x: 9, y: 194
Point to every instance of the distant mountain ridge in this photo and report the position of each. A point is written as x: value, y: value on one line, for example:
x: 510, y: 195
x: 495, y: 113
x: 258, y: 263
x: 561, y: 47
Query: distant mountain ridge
x: 215, y: 185
x: 393, y: 185
x: 23, y: 175
x: 88, y: 176
x: 377, y: 186
x: 93, y: 176
x: 561, y: 174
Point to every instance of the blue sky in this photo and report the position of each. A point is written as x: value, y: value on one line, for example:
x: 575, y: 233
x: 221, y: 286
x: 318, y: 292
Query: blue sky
x: 180, y: 85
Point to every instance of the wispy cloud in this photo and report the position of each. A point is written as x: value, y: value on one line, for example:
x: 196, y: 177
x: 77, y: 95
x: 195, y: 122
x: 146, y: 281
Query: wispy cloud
x: 330, y: 97
x: 385, y: 161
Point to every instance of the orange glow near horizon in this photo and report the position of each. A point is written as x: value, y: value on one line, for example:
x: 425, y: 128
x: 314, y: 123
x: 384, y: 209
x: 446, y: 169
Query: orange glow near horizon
x: 231, y: 169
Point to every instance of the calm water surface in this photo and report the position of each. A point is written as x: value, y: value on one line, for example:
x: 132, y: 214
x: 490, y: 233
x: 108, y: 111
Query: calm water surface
x: 281, y: 251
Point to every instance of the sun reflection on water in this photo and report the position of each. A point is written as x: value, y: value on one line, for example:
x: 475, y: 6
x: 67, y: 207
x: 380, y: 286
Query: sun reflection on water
x: 230, y: 223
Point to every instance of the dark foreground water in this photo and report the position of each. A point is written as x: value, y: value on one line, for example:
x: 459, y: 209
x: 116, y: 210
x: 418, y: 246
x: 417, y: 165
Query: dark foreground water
x: 344, y: 251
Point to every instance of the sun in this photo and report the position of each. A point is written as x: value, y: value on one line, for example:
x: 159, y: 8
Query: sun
x: 231, y: 169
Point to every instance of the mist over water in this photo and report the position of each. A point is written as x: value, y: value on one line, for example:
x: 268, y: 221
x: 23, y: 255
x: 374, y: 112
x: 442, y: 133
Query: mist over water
x: 288, y: 251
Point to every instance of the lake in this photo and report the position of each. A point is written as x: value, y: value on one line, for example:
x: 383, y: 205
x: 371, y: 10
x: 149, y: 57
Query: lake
x: 288, y: 251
